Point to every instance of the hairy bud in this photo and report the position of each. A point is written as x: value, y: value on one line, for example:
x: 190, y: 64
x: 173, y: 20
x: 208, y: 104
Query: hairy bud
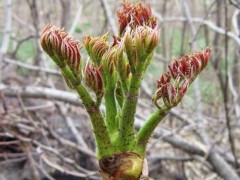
x: 174, y: 83
x: 96, y: 47
x: 135, y: 14
x: 146, y: 39
x: 109, y: 61
x: 62, y: 49
x: 93, y: 79
x: 121, y: 63
x: 140, y: 43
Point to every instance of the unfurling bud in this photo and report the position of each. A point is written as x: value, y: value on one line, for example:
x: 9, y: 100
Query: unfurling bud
x: 190, y: 66
x: 152, y: 40
x: 140, y: 43
x: 146, y: 39
x: 121, y: 64
x: 62, y: 49
x: 93, y: 79
x: 130, y: 49
x: 174, y: 83
x: 135, y: 14
x: 108, y: 61
x: 96, y: 47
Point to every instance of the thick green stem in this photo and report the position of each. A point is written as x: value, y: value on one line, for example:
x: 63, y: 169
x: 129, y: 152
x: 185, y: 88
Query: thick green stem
x: 69, y: 77
x: 111, y: 110
x: 109, y: 80
x: 146, y: 131
x: 127, y: 130
x: 122, y: 73
x: 119, y: 96
x: 124, y: 84
x: 99, y: 127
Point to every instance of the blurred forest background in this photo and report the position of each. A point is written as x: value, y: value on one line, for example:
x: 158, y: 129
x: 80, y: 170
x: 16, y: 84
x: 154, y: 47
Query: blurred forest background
x: 44, y: 129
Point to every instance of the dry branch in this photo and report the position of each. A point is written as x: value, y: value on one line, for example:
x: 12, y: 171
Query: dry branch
x: 6, y: 32
x: 109, y: 16
x: 219, y: 164
x: 209, y: 24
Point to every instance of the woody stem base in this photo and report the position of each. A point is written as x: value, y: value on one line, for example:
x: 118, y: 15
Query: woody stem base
x: 125, y: 166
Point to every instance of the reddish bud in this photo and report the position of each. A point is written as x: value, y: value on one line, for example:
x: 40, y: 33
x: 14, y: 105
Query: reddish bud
x: 140, y: 42
x: 121, y: 64
x: 130, y: 48
x: 152, y: 40
x: 96, y: 47
x: 62, y: 48
x: 191, y: 65
x: 174, y: 83
x: 109, y: 60
x: 128, y: 40
x: 93, y: 79
x: 135, y: 14
x: 146, y: 39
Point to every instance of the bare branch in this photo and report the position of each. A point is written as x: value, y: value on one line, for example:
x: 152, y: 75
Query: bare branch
x: 46, y: 93
x: 31, y: 67
x: 76, y: 18
x: 209, y: 24
x: 109, y: 16
x: 6, y: 32
x: 214, y: 158
x: 219, y: 164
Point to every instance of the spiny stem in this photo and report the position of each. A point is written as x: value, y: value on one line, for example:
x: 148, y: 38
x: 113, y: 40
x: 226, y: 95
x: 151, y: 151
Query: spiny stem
x: 119, y: 95
x: 144, y: 134
x: 124, y: 84
x: 69, y: 76
x: 109, y: 82
x: 99, y: 127
x: 126, y: 125
x: 111, y: 110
